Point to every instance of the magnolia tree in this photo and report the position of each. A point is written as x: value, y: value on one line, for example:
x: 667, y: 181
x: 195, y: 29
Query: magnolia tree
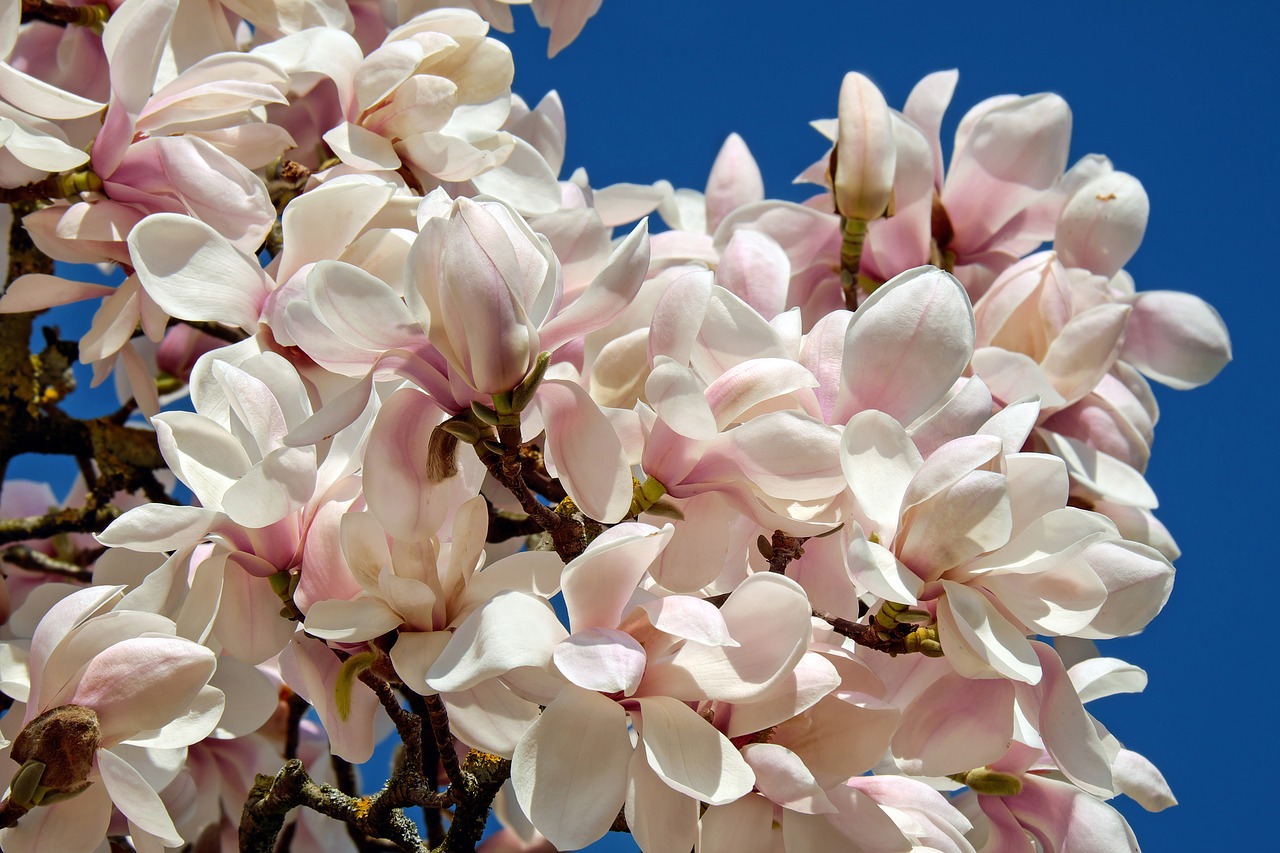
x: 786, y: 527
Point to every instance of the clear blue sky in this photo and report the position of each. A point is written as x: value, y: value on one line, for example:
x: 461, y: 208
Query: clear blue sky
x: 1180, y: 94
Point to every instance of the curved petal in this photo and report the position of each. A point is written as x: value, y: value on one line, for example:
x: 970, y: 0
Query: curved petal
x: 689, y: 754
x: 569, y: 770
x: 906, y: 346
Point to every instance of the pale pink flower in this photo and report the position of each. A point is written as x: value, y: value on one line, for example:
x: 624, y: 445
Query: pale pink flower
x: 147, y: 687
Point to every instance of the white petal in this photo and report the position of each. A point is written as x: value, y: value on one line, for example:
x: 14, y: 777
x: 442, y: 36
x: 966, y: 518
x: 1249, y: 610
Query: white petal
x: 690, y: 755
x: 569, y: 771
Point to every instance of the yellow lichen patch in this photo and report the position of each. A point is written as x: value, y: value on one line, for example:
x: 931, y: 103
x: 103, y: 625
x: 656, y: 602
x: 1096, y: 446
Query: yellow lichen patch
x: 362, y: 807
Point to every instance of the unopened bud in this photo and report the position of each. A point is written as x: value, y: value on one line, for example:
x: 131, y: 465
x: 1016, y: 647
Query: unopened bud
x: 64, y: 740
x: 862, y: 165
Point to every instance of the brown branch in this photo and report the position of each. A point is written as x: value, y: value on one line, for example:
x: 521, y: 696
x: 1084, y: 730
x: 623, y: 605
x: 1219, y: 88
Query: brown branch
x: 273, y: 797
x: 52, y: 13
x: 568, y: 533
x: 293, y: 727
x: 872, y: 636
x: 783, y: 549
x: 25, y: 557
x: 438, y: 717
x: 88, y: 519
x: 432, y: 817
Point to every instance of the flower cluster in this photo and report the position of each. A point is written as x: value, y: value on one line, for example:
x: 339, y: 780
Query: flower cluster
x: 790, y: 527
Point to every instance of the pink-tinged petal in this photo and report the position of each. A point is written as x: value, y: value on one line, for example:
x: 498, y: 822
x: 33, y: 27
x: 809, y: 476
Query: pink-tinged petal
x: 583, y: 450
x: 679, y: 397
x: 1100, y: 473
x: 135, y: 798
x: 359, y: 308
x: 1085, y: 349
x: 787, y: 455
x: 782, y: 777
x: 756, y: 269
x: 689, y: 754
x: 310, y: 669
x: 1013, y: 376
x: 744, y: 826
x: 979, y: 641
x: 876, y: 570
x: 1138, y: 579
x: 186, y: 174
x: 414, y: 653
x: 660, y: 817
x: 679, y: 315
x: 902, y: 241
x: 689, y: 618
x: 569, y: 770
x: 973, y: 516
x: 1142, y: 781
x: 54, y: 626
x: 700, y: 548
x: 1000, y: 830
x: 351, y: 621
x: 1101, y: 225
x: 731, y: 333
x: 159, y: 527
x: 746, y: 389
x: 1061, y: 600
x: 769, y: 616
x: 113, y: 325
x: 37, y: 292
x: 512, y: 630
x: 859, y: 823
x: 1064, y: 819
x: 1176, y: 339
x: 879, y: 460
x: 1003, y: 161
x: 599, y: 583
x: 489, y: 716
x: 134, y: 43
x: 956, y: 725
x: 77, y: 825
x: 323, y: 222
x: 33, y: 95
x: 608, y: 295
x: 195, y: 273
x: 1053, y: 537
x: 949, y: 465
x: 1069, y: 733
x: 395, y: 479
x: 813, y: 678
x: 249, y: 624
x: 925, y: 106
x: 964, y: 414
x: 906, y: 346
x: 143, y: 683
x: 923, y: 803
x: 601, y: 659
x: 735, y: 181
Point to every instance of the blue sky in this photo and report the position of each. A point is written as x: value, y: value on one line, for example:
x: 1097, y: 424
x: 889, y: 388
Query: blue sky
x: 1180, y: 94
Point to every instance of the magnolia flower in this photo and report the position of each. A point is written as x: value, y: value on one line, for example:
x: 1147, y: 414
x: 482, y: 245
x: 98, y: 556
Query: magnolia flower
x: 627, y: 659
x: 103, y: 683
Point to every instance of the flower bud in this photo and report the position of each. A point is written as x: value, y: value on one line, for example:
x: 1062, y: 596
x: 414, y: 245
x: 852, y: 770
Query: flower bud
x: 64, y: 739
x: 862, y: 164
x: 1102, y: 225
